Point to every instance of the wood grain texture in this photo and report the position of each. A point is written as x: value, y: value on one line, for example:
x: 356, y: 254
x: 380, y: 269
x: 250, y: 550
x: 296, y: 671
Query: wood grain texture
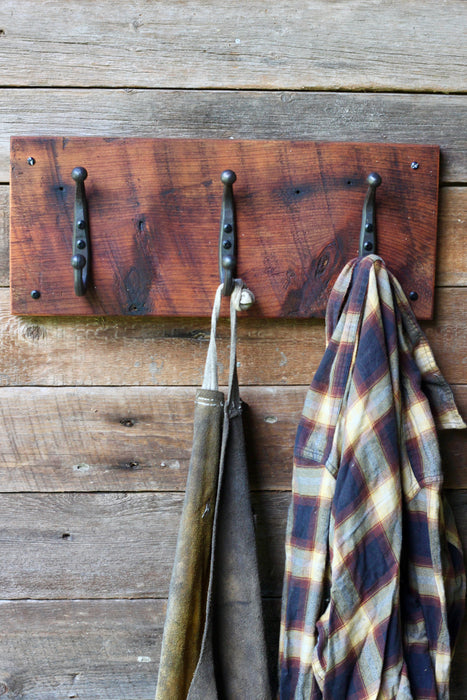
x: 451, y: 260
x: 155, y: 206
x: 4, y: 235
x: 314, y: 116
x: 107, y: 649
x: 407, y: 44
x: 112, y: 545
x: 91, y: 650
x: 121, y: 545
x: 139, y: 438
x: 166, y: 351
x: 452, y: 239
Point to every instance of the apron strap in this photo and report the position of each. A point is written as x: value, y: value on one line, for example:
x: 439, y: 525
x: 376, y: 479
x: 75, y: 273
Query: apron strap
x: 210, y: 380
x: 240, y: 299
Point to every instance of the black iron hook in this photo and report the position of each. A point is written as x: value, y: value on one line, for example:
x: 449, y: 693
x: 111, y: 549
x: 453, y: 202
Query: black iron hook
x: 81, y: 259
x: 368, y: 230
x: 227, y: 237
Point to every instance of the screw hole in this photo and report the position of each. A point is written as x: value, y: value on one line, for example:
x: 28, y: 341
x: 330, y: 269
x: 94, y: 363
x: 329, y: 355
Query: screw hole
x: 132, y: 307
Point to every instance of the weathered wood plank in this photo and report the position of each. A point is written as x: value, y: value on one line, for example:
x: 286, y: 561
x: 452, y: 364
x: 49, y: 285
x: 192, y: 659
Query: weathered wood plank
x: 4, y: 235
x: 91, y: 650
x: 111, y: 545
x: 122, y: 545
x: 166, y: 351
x: 101, y: 650
x: 139, y: 438
x: 451, y: 262
x: 243, y: 45
x: 316, y: 116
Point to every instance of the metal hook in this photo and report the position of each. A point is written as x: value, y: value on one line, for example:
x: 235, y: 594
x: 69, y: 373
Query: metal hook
x: 368, y: 230
x: 227, y: 242
x: 81, y: 258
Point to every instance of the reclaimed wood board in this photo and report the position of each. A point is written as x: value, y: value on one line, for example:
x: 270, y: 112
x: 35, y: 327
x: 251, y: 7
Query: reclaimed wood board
x: 132, y: 444
x: 248, y: 44
x: 154, y: 207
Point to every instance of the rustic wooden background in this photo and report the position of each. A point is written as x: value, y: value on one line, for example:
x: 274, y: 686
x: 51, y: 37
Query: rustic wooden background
x: 96, y: 413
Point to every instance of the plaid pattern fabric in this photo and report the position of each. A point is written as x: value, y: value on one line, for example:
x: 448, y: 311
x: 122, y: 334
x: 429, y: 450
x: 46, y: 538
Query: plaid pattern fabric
x: 374, y: 585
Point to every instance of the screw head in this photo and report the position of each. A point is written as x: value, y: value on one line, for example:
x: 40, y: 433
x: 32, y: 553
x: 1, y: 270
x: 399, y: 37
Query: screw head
x: 413, y: 296
x: 414, y: 165
x: 35, y: 294
x: 78, y: 261
x: 368, y: 245
x: 228, y: 228
x: 368, y: 228
x: 227, y: 244
x: 80, y: 224
x: 31, y: 160
x: 80, y: 244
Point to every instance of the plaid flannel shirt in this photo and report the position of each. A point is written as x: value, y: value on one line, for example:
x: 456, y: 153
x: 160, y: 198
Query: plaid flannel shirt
x: 374, y: 584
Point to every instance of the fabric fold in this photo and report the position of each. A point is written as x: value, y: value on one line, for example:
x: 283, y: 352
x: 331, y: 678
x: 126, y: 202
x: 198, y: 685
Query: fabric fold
x: 374, y: 585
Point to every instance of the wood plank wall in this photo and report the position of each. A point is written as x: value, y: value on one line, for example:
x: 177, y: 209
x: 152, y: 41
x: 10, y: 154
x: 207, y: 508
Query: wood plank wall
x: 96, y: 413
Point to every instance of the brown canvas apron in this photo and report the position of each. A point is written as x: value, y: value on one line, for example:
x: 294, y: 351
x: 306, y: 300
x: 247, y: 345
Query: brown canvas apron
x: 213, y: 644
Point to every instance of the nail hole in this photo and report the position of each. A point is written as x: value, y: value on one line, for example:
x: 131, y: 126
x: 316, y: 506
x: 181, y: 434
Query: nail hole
x: 297, y: 191
x: 132, y: 307
x: 127, y: 422
x: 66, y: 536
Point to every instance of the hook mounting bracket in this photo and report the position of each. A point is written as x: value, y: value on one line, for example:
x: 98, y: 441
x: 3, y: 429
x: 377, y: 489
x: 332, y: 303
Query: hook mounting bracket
x: 368, y: 229
x: 80, y: 260
x: 227, y: 235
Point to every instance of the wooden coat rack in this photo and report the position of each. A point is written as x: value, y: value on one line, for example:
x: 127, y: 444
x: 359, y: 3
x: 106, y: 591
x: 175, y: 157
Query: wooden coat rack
x: 154, y: 208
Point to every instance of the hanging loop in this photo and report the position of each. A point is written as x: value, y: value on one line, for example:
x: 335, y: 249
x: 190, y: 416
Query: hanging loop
x: 227, y: 237
x: 81, y: 257
x: 368, y: 230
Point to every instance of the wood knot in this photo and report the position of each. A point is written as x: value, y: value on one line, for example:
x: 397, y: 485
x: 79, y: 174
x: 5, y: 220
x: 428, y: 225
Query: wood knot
x: 34, y: 332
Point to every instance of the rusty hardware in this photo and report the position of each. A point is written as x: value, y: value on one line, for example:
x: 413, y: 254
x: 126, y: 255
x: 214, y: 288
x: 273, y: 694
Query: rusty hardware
x: 368, y: 229
x: 227, y: 237
x: 81, y: 258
